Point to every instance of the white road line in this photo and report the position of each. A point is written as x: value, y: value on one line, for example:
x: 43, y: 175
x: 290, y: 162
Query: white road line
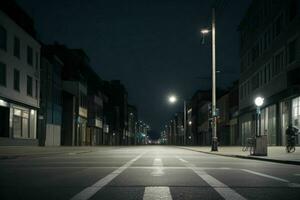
x: 265, y: 175
x: 158, y: 169
x: 93, y: 189
x: 182, y: 160
x: 226, y: 192
x: 155, y: 193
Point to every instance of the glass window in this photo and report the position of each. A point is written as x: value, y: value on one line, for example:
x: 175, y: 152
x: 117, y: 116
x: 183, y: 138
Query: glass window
x: 292, y: 51
x: 17, y: 126
x: 2, y: 74
x: 255, y: 81
x: 17, y: 47
x: 278, y: 64
x: 36, y: 89
x: 25, y: 125
x: 37, y: 60
x: 278, y: 25
x: 29, y: 85
x: 29, y: 55
x: 16, y: 79
x: 3, y: 38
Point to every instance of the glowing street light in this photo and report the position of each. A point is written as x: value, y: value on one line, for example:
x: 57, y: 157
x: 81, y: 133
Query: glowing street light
x: 172, y: 99
x: 205, y: 31
x: 259, y: 101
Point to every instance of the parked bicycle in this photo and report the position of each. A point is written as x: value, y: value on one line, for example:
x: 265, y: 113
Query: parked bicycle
x: 291, y: 133
x: 250, y: 145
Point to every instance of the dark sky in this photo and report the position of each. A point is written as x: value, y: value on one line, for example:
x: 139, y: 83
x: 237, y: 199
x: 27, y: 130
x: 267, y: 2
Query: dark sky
x: 153, y: 47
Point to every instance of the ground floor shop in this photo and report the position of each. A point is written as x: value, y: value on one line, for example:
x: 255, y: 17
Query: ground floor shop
x: 18, y: 123
x: 273, y: 122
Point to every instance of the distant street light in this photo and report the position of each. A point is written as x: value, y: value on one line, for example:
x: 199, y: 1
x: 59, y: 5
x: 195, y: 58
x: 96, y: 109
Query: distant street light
x: 205, y: 31
x: 172, y: 99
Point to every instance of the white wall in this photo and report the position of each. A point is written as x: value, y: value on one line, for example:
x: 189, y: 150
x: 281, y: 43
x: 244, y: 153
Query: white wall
x: 20, y: 64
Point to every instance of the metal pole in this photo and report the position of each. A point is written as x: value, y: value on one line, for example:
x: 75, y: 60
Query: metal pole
x: 214, y: 146
x: 184, y: 122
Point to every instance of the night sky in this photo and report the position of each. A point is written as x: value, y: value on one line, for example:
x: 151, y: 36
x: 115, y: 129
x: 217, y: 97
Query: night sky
x: 153, y: 47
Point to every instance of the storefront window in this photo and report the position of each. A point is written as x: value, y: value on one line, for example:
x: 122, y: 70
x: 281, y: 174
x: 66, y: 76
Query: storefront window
x: 296, y: 111
x: 296, y: 115
x: 17, y: 123
x: 24, y: 124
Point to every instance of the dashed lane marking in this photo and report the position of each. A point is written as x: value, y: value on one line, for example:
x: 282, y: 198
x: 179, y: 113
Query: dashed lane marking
x: 155, y: 193
x: 93, y: 189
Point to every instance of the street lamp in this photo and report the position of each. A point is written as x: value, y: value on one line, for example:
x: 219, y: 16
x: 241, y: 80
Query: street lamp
x: 172, y: 99
x: 214, y: 144
x: 258, y: 101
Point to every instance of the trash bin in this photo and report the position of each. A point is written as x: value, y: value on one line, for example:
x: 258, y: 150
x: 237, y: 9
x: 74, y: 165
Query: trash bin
x: 261, y: 146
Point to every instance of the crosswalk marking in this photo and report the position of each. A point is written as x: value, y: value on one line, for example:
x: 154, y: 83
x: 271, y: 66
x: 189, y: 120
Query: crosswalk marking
x: 265, y: 175
x: 93, y: 189
x: 157, y: 193
x: 290, y: 184
x: 226, y: 192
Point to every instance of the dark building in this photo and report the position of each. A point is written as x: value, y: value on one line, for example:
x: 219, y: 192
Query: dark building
x: 235, y: 136
x: 95, y: 100
x: 116, y: 111
x: 50, y: 120
x: 200, y: 126
x: 270, y: 68
x: 74, y: 95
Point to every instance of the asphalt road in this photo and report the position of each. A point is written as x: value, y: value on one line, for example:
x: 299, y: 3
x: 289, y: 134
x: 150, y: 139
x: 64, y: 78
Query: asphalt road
x: 145, y: 172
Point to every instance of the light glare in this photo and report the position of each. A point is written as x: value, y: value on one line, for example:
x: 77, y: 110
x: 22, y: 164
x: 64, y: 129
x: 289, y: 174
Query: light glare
x: 259, y: 101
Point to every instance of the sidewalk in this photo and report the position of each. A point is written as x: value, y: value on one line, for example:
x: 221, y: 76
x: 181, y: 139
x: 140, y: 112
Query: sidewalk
x: 11, y: 152
x: 275, y: 154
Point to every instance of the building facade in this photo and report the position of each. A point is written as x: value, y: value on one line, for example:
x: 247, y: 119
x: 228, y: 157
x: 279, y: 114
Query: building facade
x: 19, y: 76
x: 270, y: 66
x: 50, y: 113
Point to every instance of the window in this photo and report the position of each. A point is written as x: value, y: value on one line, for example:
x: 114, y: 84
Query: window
x: 278, y: 25
x: 255, y: 52
x: 29, y: 85
x: 37, y: 60
x: 3, y: 38
x: 292, y: 51
x: 16, y: 79
x: 293, y: 9
x: 2, y: 74
x: 17, y: 47
x: 36, y: 89
x: 83, y: 100
x: 29, y: 55
x: 255, y: 81
x: 278, y: 64
x: 265, y: 75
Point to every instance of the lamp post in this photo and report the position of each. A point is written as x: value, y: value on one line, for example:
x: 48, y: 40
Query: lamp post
x: 259, y: 101
x: 173, y: 99
x: 214, y: 144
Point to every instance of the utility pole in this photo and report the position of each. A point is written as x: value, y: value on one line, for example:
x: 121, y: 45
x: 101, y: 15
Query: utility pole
x: 214, y: 144
x: 184, y: 122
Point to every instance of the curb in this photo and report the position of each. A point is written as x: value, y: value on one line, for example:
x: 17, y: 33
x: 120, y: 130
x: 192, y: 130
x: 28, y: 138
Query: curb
x: 291, y: 162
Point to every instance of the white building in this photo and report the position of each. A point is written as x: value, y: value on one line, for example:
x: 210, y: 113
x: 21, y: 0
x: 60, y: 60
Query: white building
x: 19, y: 77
